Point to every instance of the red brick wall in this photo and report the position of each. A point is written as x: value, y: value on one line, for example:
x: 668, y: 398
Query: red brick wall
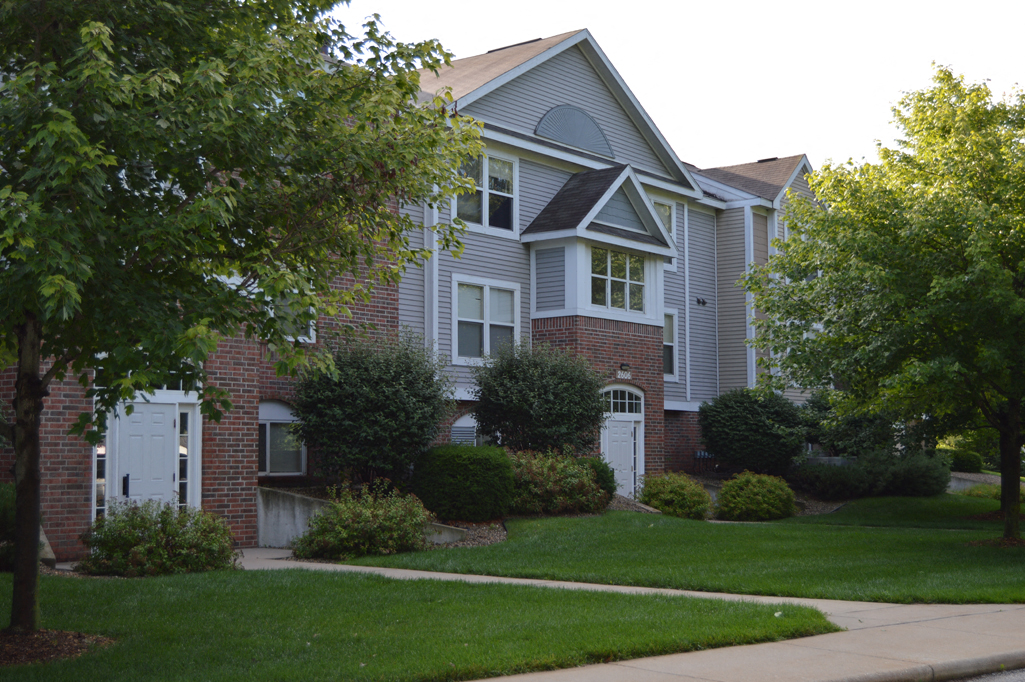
x: 607, y: 344
x: 683, y: 439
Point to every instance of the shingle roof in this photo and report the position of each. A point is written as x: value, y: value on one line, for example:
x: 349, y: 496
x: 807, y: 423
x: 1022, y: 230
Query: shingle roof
x: 574, y: 201
x: 765, y: 178
x: 466, y: 75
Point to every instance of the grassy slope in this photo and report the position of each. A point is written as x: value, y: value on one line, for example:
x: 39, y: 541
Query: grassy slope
x: 299, y: 625
x: 899, y: 563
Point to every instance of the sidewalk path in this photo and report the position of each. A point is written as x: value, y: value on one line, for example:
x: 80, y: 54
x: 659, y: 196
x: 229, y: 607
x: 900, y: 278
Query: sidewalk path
x: 883, y: 642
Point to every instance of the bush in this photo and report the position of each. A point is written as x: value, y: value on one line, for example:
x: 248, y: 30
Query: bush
x: 377, y: 521
x: 676, y: 494
x: 6, y: 526
x: 749, y: 430
x: 604, y: 474
x: 913, y: 475
x: 381, y: 411
x: 987, y: 491
x: 464, y: 482
x: 961, y: 460
x: 755, y: 497
x: 155, y: 538
x: 828, y: 482
x: 539, y: 398
x: 551, y: 483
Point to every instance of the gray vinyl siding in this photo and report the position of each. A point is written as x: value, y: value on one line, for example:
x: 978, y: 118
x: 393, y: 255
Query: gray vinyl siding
x: 704, y: 370
x: 760, y: 234
x: 675, y: 296
x: 551, y: 278
x: 567, y: 78
x: 494, y: 258
x: 732, y: 307
x: 538, y: 185
x: 619, y: 211
x: 412, y: 286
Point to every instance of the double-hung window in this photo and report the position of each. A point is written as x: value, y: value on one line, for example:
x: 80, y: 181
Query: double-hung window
x: 617, y: 280
x: 493, y: 204
x: 486, y: 315
x: 665, y: 213
x: 280, y: 451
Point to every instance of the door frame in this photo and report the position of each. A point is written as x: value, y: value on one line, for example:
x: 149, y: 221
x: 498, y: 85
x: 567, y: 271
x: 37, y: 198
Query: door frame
x: 108, y: 448
x: 638, y: 422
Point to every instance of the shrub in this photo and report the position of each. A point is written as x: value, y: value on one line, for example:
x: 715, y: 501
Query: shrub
x: 911, y: 475
x: 539, y: 398
x: 464, y: 482
x: 155, y: 538
x: 961, y: 460
x: 749, y: 430
x: 379, y: 520
x: 828, y: 482
x: 604, y: 474
x: 676, y: 494
x: 987, y: 491
x: 379, y: 413
x: 6, y: 526
x: 551, y: 483
x: 755, y: 497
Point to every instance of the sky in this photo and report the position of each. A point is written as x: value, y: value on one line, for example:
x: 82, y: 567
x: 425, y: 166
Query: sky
x: 731, y: 81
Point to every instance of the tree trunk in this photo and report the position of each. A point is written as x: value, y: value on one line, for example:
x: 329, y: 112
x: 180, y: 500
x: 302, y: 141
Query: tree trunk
x: 1010, y: 471
x: 28, y: 406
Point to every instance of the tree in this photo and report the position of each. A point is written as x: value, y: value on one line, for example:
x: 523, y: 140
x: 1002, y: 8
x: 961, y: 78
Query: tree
x: 539, y: 398
x: 378, y: 411
x: 170, y: 170
x: 905, y: 284
x: 760, y: 431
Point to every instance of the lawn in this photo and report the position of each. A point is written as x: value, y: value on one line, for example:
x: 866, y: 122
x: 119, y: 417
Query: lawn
x: 911, y: 550
x: 304, y: 625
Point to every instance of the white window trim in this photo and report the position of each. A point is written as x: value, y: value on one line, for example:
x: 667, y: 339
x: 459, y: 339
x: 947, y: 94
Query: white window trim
x: 302, y: 450
x: 675, y: 376
x: 673, y: 217
x: 649, y: 283
x: 458, y: 279
x: 514, y: 233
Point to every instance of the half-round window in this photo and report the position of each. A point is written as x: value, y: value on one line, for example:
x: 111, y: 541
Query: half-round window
x: 573, y: 126
x: 623, y: 401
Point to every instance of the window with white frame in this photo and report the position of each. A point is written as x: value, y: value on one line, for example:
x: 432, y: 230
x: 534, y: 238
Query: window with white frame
x: 669, y: 346
x: 493, y: 204
x: 485, y: 318
x: 617, y: 279
x: 304, y: 331
x: 665, y: 212
x: 280, y: 451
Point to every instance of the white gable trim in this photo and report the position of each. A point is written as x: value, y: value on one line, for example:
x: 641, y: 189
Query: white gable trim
x: 803, y: 166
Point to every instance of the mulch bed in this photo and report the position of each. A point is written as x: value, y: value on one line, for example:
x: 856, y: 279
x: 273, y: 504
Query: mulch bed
x: 19, y: 648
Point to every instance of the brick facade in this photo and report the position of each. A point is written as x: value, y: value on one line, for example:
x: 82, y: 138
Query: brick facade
x: 682, y: 440
x: 607, y: 344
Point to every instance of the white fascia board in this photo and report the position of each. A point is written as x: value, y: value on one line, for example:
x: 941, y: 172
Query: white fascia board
x: 623, y: 243
x: 756, y: 202
x: 682, y: 406
x: 656, y: 183
x: 547, y: 236
x: 728, y: 192
x: 463, y: 394
x: 644, y: 123
x: 804, y: 166
x: 514, y: 73
x: 710, y: 203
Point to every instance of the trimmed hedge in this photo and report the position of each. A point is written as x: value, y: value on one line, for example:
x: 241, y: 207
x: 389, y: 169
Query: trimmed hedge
x: 603, y: 474
x: 962, y: 460
x: 754, y: 431
x: 916, y: 475
x: 755, y: 497
x: 676, y: 494
x: 828, y: 482
x: 550, y: 483
x: 464, y: 482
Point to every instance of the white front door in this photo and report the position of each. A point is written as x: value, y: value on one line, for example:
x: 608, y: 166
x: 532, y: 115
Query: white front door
x: 621, y: 452
x: 148, y: 452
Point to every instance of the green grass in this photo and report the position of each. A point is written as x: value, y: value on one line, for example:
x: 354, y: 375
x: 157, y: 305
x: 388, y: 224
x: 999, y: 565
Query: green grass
x: 303, y: 625
x: 895, y: 559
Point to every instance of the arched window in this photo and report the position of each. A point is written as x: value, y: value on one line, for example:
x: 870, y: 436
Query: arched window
x: 624, y: 401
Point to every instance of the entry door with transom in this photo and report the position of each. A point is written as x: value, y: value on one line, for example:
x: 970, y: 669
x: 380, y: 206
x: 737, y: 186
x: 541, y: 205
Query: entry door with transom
x: 621, y: 442
x: 148, y: 452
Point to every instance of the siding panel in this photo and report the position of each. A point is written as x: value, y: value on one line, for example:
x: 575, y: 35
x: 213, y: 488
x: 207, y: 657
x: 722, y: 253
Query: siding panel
x: 704, y: 370
x: 732, y: 311
x: 551, y: 278
x: 412, y: 284
x: 619, y: 211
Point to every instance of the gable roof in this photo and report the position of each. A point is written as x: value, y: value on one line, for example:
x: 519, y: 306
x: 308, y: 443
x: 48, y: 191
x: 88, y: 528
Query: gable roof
x: 472, y: 78
x: 767, y: 178
x: 573, y: 209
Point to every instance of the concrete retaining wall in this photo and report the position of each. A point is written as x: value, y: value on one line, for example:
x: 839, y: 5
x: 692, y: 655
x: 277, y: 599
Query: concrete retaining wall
x: 281, y: 516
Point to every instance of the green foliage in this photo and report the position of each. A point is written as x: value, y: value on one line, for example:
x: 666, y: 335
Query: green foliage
x: 847, y: 434
x: 961, y: 460
x: 986, y: 491
x: 676, y: 494
x: 464, y: 482
x: 377, y: 412
x: 155, y: 538
x: 984, y: 441
x: 604, y: 474
x: 7, y: 497
x: 761, y: 432
x: 754, y: 497
x: 917, y: 306
x: 912, y: 475
x: 379, y: 520
x: 552, y: 483
x: 539, y: 398
x: 828, y: 482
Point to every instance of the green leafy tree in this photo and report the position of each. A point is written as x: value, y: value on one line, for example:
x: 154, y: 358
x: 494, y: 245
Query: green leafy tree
x: 905, y: 285
x: 170, y: 170
x: 377, y: 412
x: 539, y: 398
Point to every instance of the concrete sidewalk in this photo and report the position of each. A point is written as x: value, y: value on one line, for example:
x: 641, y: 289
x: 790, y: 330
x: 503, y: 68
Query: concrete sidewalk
x: 883, y: 642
